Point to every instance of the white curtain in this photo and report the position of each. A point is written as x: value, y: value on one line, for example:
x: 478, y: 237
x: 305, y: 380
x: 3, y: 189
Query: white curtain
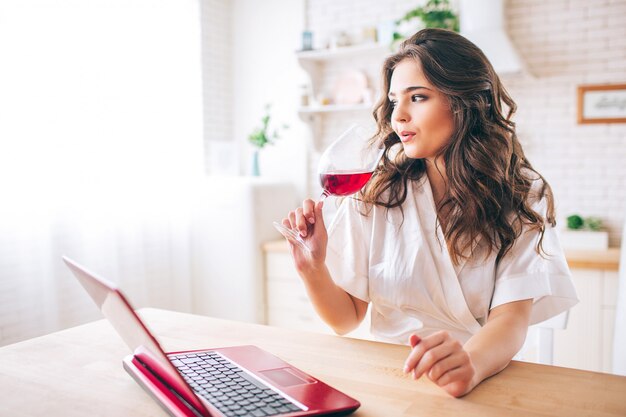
x: 100, y: 154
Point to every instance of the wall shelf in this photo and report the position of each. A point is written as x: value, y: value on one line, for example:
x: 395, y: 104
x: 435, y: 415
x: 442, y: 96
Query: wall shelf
x: 332, y: 108
x: 321, y: 55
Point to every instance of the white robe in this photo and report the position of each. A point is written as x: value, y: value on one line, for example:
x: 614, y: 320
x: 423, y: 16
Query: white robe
x: 402, y: 266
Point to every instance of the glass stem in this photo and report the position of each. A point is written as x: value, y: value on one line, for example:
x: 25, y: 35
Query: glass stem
x: 324, y: 194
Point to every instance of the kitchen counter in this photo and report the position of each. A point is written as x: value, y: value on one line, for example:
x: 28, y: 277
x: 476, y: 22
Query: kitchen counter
x: 607, y: 260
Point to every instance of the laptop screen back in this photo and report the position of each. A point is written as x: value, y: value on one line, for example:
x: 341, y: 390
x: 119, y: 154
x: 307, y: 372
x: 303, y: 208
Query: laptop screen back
x: 129, y: 326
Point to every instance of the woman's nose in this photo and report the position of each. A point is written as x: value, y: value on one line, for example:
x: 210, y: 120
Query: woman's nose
x: 400, y: 114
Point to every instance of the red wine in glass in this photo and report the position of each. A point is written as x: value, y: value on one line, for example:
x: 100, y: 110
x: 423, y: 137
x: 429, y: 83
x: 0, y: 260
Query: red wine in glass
x: 340, y: 183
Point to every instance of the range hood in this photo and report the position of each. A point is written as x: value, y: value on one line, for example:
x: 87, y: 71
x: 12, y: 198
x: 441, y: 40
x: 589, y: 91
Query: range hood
x: 482, y: 22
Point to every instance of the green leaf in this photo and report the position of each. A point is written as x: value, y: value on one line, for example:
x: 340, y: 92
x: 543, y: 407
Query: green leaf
x: 593, y: 223
x: 434, y: 14
x: 261, y: 136
x: 575, y: 222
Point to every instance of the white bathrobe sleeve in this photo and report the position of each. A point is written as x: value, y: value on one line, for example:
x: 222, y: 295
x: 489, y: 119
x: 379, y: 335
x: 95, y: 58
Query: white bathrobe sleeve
x: 347, y: 255
x: 524, y: 274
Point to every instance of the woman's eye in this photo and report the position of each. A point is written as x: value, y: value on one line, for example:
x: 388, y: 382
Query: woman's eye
x: 417, y: 97
x: 393, y: 103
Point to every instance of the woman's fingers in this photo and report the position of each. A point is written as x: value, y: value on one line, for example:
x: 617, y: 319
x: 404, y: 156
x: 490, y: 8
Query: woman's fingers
x: 436, y: 354
x: 318, y: 213
x: 287, y: 223
x: 452, y: 375
x: 308, y: 210
x: 458, y: 381
x: 305, y: 216
x: 446, y: 365
x: 301, y: 222
x: 443, y: 359
x: 432, y: 357
x: 302, y: 219
x: 421, y: 348
x: 292, y: 219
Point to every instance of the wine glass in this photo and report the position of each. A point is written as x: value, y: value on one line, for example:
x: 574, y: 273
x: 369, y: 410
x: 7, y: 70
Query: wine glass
x: 344, y: 168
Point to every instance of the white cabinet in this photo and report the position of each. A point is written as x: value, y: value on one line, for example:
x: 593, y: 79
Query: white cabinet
x: 287, y: 303
x: 587, y: 341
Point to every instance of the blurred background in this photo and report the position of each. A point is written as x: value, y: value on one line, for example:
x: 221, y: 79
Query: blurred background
x: 124, y: 143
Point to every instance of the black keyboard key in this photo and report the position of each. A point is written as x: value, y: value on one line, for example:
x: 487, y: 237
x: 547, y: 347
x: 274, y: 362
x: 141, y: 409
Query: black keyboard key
x: 269, y: 410
x: 252, y: 380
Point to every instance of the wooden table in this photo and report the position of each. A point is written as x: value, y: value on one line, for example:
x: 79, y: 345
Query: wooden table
x: 78, y: 372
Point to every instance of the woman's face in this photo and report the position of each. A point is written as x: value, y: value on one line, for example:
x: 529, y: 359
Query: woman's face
x: 421, y: 116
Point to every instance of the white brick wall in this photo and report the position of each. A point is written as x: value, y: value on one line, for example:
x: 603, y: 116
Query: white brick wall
x: 565, y: 43
x: 217, y: 73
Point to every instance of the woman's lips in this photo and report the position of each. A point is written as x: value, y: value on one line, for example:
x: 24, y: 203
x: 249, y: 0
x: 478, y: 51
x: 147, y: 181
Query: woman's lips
x: 406, y: 136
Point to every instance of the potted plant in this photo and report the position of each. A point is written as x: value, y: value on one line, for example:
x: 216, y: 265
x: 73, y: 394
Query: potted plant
x: 434, y: 14
x: 584, y: 233
x: 261, y: 137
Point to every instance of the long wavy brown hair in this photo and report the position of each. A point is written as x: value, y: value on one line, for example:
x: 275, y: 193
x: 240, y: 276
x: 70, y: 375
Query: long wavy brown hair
x: 488, y: 177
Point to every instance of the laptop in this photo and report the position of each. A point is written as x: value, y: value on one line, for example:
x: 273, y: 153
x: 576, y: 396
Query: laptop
x: 222, y: 382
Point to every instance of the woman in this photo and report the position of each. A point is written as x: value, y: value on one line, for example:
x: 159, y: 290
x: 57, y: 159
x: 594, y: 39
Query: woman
x: 452, y: 241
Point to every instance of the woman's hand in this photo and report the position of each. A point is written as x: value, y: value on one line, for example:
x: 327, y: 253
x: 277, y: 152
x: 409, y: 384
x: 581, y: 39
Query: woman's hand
x: 308, y: 220
x: 444, y: 361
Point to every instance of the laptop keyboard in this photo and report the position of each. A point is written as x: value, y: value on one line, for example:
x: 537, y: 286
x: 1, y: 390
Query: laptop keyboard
x: 229, y: 388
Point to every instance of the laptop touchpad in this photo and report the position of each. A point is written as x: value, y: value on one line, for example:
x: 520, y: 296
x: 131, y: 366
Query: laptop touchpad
x: 287, y: 377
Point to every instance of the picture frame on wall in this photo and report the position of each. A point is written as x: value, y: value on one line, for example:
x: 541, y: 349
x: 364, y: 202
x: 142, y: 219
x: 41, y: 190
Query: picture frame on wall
x: 604, y: 103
